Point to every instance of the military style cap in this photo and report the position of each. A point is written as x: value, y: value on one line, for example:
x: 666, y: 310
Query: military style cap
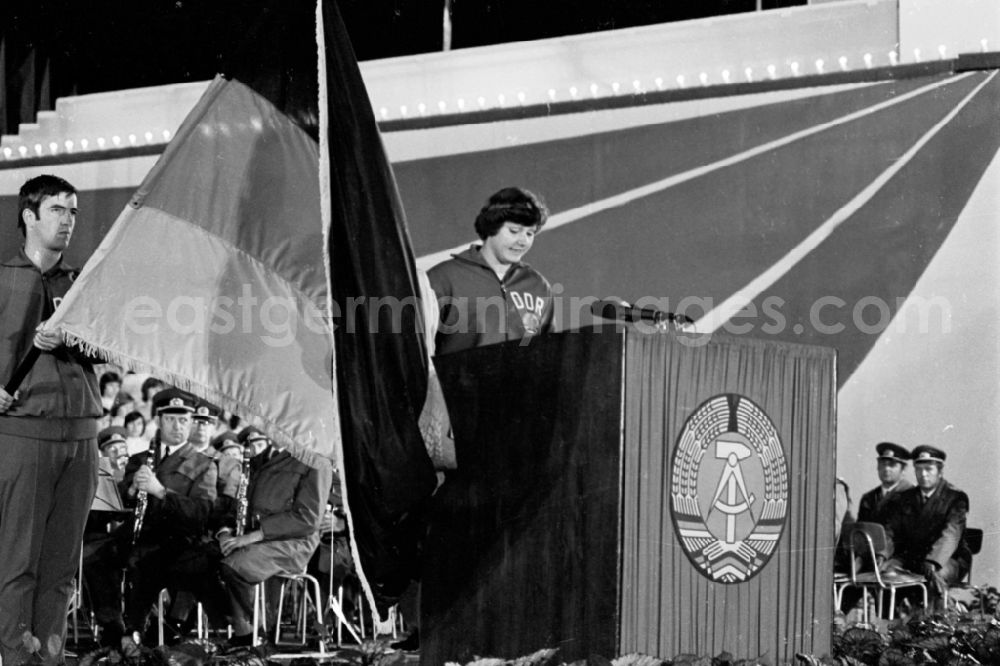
x: 174, y: 401
x: 225, y: 441
x: 251, y: 434
x: 892, y: 451
x: 925, y: 453
x: 111, y: 435
x: 206, y: 411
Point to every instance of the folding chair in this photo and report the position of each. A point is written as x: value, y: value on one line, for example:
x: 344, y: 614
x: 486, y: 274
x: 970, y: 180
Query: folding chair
x: 163, y: 601
x: 78, y: 608
x: 335, y: 605
x: 394, y: 620
x: 259, y: 609
x: 867, y: 542
x: 840, y: 582
x: 335, y: 598
x: 308, y: 592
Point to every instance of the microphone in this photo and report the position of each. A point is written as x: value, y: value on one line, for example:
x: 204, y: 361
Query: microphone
x: 610, y: 308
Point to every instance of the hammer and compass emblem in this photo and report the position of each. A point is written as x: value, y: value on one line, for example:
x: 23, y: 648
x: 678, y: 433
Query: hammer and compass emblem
x: 729, y: 488
x: 737, y: 499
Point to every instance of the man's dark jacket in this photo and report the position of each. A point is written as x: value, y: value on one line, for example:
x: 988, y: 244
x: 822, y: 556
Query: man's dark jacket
x: 929, y: 531
x: 59, y: 399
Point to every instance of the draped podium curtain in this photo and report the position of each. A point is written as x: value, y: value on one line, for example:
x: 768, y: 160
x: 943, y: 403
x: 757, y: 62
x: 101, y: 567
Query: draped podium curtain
x: 668, y: 606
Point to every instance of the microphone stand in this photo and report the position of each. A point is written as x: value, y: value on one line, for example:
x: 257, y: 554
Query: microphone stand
x: 622, y: 311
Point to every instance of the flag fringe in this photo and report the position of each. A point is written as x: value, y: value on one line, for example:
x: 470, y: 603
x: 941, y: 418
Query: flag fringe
x: 126, y: 362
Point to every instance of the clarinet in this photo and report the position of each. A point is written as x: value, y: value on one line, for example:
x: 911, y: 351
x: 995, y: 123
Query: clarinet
x: 241, y: 493
x: 142, y: 499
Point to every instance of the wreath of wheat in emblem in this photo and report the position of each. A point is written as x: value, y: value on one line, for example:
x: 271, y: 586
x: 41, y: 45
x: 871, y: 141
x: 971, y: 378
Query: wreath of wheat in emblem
x: 729, y: 489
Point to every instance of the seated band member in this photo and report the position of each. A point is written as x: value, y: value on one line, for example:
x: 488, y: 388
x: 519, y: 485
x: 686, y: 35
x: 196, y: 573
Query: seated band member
x: 197, y: 567
x: 926, y: 524
x: 204, y: 421
x: 112, y: 443
x: 252, y: 436
x: 227, y: 444
x: 180, y: 492
x: 286, y: 502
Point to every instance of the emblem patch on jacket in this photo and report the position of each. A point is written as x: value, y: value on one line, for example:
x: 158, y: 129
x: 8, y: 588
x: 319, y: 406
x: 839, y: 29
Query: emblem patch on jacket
x: 530, y: 308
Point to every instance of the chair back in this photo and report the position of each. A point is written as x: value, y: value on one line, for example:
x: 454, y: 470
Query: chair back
x: 867, y: 541
x: 973, y: 537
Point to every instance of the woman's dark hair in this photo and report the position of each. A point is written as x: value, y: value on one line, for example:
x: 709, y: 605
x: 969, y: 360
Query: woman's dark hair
x: 135, y: 416
x: 511, y: 204
x: 121, y: 400
x: 150, y: 384
x: 109, y: 378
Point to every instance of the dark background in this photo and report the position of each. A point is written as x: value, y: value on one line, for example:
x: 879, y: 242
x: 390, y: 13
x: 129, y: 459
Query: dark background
x: 55, y: 48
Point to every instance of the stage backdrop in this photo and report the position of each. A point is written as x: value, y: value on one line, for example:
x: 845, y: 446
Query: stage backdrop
x: 863, y: 216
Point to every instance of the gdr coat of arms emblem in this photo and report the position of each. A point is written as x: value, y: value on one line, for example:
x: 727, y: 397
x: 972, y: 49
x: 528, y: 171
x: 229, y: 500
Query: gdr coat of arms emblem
x: 729, y: 488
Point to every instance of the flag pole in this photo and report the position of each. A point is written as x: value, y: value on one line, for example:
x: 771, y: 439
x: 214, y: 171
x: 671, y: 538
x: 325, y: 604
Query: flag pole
x: 22, y: 370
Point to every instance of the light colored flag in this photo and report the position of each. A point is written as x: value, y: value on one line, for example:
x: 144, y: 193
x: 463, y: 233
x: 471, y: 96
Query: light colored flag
x: 213, y: 277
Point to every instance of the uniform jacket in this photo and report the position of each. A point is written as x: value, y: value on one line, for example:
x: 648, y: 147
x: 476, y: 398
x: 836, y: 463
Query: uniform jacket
x: 59, y: 398
x: 287, y: 498
x: 190, y: 479
x: 873, y: 502
x: 478, y: 308
x: 931, y: 531
x: 229, y: 474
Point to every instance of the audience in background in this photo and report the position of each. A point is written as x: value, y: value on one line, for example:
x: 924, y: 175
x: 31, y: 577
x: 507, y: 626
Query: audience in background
x: 110, y: 385
x: 135, y: 425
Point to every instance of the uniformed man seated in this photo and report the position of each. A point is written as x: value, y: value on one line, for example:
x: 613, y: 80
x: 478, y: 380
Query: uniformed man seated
x: 892, y: 460
x: 179, y: 485
x: 112, y: 443
x: 227, y: 444
x: 286, y: 505
x: 926, y: 524
x: 891, y: 463
x: 197, y: 567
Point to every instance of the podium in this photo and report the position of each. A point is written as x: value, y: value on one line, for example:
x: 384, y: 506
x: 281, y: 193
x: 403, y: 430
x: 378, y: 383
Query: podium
x: 623, y: 491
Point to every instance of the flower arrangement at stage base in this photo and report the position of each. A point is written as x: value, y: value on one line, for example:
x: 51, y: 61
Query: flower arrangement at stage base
x: 963, y: 634
x: 968, y: 633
